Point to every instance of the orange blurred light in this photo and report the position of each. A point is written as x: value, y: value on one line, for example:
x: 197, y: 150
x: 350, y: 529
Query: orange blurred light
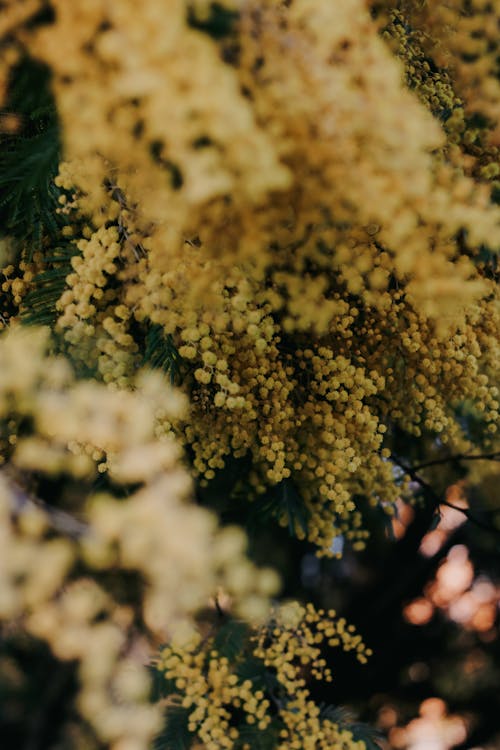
x: 450, y: 519
x: 432, y: 542
x: 419, y: 611
x: 433, y: 729
x: 464, y: 608
x: 398, y: 737
x: 398, y: 528
x: 484, y: 618
x: 432, y: 708
x: 485, y: 591
x: 9, y: 122
x: 453, y: 577
x: 402, y: 520
x: 387, y: 717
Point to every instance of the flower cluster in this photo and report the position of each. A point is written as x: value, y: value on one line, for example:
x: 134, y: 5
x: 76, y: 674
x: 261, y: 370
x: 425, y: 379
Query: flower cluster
x: 300, y: 198
x: 449, y: 59
x: 310, y: 232
x: 211, y: 689
x: 463, y: 37
x: 304, y: 140
x: 284, y: 654
x: 61, y: 565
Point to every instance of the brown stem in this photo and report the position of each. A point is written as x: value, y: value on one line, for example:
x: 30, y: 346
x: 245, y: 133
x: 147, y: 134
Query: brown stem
x: 495, y: 456
x: 437, y: 500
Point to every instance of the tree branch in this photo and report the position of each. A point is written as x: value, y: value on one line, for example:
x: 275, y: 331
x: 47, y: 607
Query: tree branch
x: 437, y: 500
x: 494, y: 456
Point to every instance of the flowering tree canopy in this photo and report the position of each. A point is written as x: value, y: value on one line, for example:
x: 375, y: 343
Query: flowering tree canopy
x: 249, y: 277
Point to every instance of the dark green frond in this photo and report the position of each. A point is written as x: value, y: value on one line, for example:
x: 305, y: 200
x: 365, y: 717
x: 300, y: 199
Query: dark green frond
x: 231, y: 639
x: 161, y: 353
x: 29, y: 160
x: 370, y: 736
x: 283, y: 500
x: 257, y: 739
x: 39, y: 305
x: 255, y: 670
x: 337, y: 714
x: 175, y: 735
x: 345, y: 720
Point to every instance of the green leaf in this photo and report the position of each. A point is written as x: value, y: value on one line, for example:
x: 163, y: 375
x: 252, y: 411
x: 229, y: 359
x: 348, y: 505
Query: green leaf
x: 284, y: 500
x: 29, y: 160
x: 39, y: 305
x: 258, y: 739
x: 161, y: 353
x: 231, y: 639
x: 340, y: 715
x: 175, y: 735
x: 254, y: 669
x: 344, y: 718
x: 160, y: 686
x: 370, y: 736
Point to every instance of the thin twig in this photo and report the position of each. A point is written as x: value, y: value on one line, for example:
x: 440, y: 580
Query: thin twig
x: 437, y: 500
x: 472, y: 518
x: 495, y: 456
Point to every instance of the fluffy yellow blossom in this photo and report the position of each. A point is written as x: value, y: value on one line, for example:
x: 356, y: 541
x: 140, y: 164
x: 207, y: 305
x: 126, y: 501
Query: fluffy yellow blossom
x: 214, y: 689
x: 297, y: 217
x: 51, y: 558
x: 304, y: 228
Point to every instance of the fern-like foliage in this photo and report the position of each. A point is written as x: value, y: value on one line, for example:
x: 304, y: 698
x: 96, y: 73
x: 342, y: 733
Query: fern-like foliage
x: 231, y: 639
x: 284, y: 501
x: 345, y: 719
x: 161, y: 353
x: 29, y: 160
x: 175, y: 734
x: 250, y: 736
x: 39, y: 305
